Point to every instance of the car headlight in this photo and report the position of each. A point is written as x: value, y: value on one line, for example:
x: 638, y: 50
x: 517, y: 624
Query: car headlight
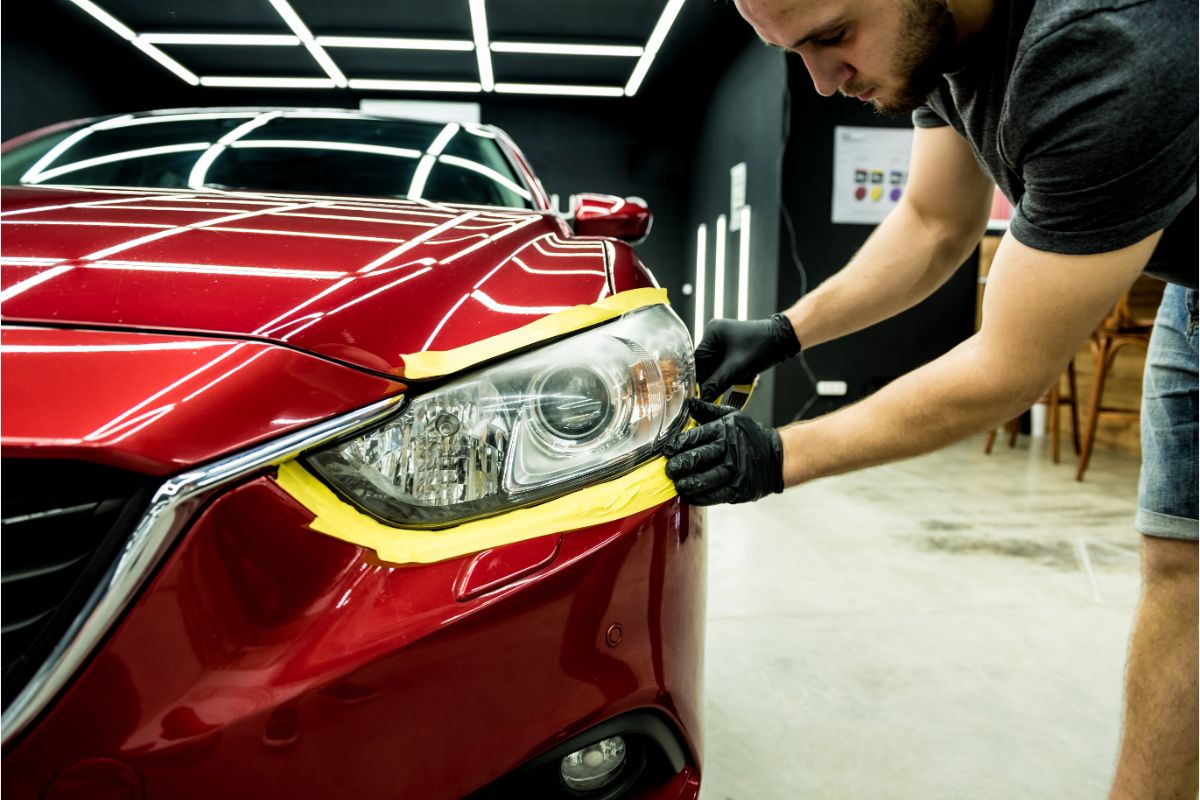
x: 586, y: 407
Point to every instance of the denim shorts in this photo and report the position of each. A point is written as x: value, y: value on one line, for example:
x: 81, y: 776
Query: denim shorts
x: 1168, y: 486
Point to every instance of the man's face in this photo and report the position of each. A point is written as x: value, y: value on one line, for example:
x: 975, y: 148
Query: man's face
x: 888, y: 52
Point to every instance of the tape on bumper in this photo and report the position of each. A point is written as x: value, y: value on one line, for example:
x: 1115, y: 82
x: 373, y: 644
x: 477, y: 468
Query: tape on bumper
x: 644, y: 488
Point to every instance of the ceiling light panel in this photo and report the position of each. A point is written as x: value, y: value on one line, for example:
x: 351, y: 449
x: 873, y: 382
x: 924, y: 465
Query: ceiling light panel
x: 586, y: 49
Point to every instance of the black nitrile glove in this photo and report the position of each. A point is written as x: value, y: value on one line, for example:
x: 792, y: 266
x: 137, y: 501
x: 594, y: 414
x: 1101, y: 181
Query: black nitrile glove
x: 728, y: 458
x: 733, y: 352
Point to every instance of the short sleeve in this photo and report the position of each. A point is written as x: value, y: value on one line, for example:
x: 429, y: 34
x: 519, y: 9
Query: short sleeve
x: 1100, y: 125
x: 926, y: 117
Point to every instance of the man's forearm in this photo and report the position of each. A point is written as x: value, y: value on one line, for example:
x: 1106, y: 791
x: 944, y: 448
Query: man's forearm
x: 962, y: 393
x: 903, y: 261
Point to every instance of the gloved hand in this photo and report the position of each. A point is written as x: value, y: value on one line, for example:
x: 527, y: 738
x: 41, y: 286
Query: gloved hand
x: 734, y: 351
x: 728, y: 458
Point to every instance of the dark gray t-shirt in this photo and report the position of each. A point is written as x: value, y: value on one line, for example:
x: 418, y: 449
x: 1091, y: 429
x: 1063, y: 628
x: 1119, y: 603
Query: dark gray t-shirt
x: 1084, y: 112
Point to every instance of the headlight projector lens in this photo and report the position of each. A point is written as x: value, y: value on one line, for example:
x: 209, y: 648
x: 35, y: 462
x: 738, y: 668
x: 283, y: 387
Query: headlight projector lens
x: 594, y: 766
x: 573, y: 403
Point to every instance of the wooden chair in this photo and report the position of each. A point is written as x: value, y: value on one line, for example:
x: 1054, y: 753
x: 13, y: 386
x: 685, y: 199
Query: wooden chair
x: 1129, y: 323
x: 1054, y: 399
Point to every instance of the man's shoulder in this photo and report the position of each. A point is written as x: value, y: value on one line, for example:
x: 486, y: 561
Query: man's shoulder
x: 1052, y: 21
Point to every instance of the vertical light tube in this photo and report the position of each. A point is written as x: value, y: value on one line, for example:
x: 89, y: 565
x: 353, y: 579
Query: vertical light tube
x: 701, y: 259
x: 743, y: 299
x: 719, y: 270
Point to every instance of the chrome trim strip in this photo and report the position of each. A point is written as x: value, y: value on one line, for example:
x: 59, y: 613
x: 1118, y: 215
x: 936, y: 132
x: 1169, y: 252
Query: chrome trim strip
x: 169, y: 511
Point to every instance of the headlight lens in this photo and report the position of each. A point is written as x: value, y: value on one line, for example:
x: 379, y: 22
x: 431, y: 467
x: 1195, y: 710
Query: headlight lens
x: 587, y: 407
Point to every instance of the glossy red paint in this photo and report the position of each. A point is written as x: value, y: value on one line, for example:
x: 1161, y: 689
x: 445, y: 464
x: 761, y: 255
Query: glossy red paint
x: 156, y: 404
x: 157, y: 330
x: 625, y: 218
x: 296, y: 663
x: 361, y: 281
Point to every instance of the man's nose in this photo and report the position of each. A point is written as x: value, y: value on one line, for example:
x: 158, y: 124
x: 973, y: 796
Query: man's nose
x: 827, y: 73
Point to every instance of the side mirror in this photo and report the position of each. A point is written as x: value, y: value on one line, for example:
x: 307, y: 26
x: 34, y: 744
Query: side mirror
x: 625, y: 218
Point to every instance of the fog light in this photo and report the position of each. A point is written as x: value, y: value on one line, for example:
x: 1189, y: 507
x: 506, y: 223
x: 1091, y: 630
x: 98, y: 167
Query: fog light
x: 594, y: 766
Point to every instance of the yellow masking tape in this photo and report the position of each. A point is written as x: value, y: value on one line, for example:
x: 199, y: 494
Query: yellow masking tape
x: 644, y: 488
x: 435, y: 363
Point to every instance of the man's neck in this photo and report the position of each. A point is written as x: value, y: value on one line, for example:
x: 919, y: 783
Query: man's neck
x: 971, y: 17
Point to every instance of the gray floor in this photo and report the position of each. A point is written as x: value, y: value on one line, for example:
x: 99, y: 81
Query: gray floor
x: 951, y: 627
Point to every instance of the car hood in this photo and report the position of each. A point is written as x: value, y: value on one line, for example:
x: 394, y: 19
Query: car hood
x: 360, y: 280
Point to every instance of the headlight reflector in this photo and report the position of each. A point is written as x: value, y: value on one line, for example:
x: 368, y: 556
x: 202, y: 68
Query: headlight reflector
x: 586, y: 407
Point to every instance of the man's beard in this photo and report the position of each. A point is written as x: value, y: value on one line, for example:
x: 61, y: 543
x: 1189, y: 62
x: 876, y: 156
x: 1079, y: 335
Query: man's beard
x: 925, y: 50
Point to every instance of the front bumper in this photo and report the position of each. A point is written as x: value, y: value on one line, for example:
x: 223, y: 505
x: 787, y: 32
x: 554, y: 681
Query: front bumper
x: 265, y: 659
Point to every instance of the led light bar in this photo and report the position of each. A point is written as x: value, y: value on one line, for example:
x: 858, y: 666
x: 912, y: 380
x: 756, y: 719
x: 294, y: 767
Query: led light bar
x: 701, y: 267
x: 179, y: 70
x: 656, y: 39
x: 124, y: 155
x: 567, y: 49
x: 719, y: 270
x: 106, y: 19
x: 315, y: 50
x: 227, y: 82
x: 232, y: 39
x: 559, y: 89
x: 414, y: 86
x: 743, y: 299
x: 388, y: 43
x: 482, y: 52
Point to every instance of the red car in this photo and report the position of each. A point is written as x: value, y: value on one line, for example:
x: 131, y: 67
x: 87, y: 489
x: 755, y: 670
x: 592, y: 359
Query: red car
x: 331, y: 469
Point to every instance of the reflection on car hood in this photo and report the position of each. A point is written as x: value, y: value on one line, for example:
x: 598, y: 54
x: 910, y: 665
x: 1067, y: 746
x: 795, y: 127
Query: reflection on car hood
x: 361, y: 280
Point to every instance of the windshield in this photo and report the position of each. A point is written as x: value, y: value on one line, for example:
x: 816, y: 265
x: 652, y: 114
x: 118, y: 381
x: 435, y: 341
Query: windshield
x: 309, y: 152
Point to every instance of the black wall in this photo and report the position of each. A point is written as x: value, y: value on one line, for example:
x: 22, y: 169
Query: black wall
x: 743, y: 122
x: 871, y: 358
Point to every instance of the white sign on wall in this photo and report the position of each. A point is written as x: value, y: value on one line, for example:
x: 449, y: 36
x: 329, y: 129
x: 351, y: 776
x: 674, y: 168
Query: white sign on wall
x: 870, y: 172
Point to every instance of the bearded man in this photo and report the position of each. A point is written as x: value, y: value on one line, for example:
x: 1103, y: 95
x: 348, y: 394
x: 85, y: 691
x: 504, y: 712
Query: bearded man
x: 1084, y: 113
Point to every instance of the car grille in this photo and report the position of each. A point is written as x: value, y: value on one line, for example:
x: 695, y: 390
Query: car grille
x: 63, y: 524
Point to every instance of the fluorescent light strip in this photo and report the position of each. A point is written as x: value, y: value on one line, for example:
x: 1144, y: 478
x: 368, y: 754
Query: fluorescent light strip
x: 29, y: 283
x: 486, y: 172
x: 315, y: 50
x: 108, y: 20
x: 124, y: 155
x: 377, y: 149
x: 719, y: 270
x: 389, y: 43
x: 414, y: 86
x: 199, y: 174
x: 482, y: 52
x: 539, y: 48
x: 656, y: 39
x: 743, y: 299
x: 267, y: 83
x: 701, y: 267
x: 231, y: 39
x: 559, y: 89
x: 173, y: 66
x: 504, y: 308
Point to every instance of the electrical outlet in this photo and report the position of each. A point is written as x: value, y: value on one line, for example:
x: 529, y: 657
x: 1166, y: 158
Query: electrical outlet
x: 832, y: 388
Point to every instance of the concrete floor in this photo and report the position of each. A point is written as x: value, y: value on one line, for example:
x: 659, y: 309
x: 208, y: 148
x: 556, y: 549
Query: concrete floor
x: 950, y: 627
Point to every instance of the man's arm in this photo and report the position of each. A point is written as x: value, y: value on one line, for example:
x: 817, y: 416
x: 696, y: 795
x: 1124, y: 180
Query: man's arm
x: 1038, y: 308
x: 939, y: 220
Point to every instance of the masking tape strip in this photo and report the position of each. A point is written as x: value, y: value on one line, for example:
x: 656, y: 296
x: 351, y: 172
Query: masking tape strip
x: 644, y: 488
x: 435, y: 363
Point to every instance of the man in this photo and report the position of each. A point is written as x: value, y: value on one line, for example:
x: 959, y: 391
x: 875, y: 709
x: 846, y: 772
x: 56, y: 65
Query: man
x: 1084, y: 112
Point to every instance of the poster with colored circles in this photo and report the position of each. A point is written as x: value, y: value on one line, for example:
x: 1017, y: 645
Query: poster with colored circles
x: 870, y: 172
